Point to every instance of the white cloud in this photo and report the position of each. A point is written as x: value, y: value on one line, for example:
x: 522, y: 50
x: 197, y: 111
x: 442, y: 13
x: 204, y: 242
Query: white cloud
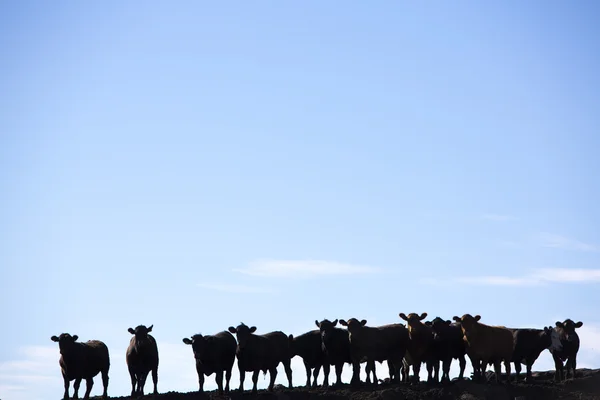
x: 303, y: 269
x: 233, y: 288
x: 497, y: 217
x: 565, y: 243
x: 541, y: 276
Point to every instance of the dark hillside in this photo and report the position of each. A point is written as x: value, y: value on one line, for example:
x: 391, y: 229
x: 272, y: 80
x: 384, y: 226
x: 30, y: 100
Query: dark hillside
x: 585, y: 387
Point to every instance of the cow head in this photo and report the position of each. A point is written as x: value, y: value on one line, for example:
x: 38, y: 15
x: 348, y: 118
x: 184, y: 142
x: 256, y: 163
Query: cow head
x: 438, y: 325
x: 550, y: 339
x: 141, y: 332
x: 467, y: 321
x: 354, y: 326
x: 242, y: 332
x: 198, y: 343
x: 65, y: 341
x: 413, y: 319
x: 326, y: 328
x: 568, y: 329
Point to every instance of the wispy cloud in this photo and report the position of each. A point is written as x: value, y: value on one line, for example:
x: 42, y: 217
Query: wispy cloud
x: 542, y: 276
x: 565, y: 243
x: 233, y: 288
x: 497, y: 217
x: 303, y: 269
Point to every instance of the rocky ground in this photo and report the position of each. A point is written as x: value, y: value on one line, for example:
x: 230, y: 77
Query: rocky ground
x: 585, y: 387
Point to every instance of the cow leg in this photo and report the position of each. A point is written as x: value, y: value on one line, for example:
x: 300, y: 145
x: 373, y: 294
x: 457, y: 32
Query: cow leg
x: 76, y: 388
x: 105, y: 383
x: 374, y: 373
x: 255, y: 380
x: 528, y: 376
x: 200, y: 372
x: 142, y: 382
x: 66, y: 382
x: 316, y: 375
x: 228, y: 378
x: 507, y: 368
x: 133, y: 382
x: 570, y: 365
x: 518, y: 370
x: 498, y: 369
x: 446, y: 362
x: 326, y: 370
x: 339, y: 368
x: 219, y: 379
x: 273, y: 376
x: 368, y: 372
x: 242, y: 377
x: 307, y: 368
x: 558, y: 369
x: 89, y: 382
x: 155, y: 379
x: 288, y: 372
x: 355, y: 373
x: 436, y: 371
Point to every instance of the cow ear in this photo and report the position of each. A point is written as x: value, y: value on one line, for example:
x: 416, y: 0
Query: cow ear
x: 54, y: 338
x: 317, y: 324
x: 232, y: 329
x: 150, y: 328
x: 579, y: 324
x: 253, y: 329
x: 559, y: 324
x: 363, y: 322
x: 187, y: 341
x: 456, y: 318
x: 75, y: 337
x: 343, y: 322
x: 403, y: 316
x: 130, y: 330
x: 477, y: 317
x: 334, y: 323
x: 448, y: 322
x: 428, y: 323
x: 423, y: 316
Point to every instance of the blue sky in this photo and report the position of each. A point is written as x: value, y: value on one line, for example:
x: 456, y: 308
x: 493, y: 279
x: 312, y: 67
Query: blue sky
x: 194, y: 165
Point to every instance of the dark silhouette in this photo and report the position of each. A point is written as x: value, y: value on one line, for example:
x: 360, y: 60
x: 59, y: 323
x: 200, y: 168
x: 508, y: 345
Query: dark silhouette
x: 448, y: 344
x: 213, y: 353
x: 381, y: 343
x: 419, y: 348
x: 529, y: 344
x: 570, y: 346
x: 82, y: 361
x: 262, y: 353
x: 308, y: 347
x: 142, y: 357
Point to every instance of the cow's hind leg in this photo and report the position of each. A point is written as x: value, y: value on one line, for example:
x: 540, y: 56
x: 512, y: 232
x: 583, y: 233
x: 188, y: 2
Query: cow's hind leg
x: 76, y: 388
x: 307, y: 368
x: 518, y: 370
x: 463, y: 364
x: 507, y: 368
x: 228, y: 378
x: 326, y: 370
x: 219, y: 379
x: 288, y: 372
x: 66, y: 382
x: 255, y: 381
x: 273, y: 376
x: 315, y: 375
x: 105, y: 383
x: 155, y: 379
x: 242, y: 377
x: 133, y: 383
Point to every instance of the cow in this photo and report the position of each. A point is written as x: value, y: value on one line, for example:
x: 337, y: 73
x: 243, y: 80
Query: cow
x: 262, y: 353
x: 142, y: 357
x: 529, y: 344
x: 308, y: 347
x: 419, y: 348
x: 448, y: 344
x: 486, y: 344
x: 386, y: 342
x: 213, y: 353
x: 570, y: 346
x: 82, y: 361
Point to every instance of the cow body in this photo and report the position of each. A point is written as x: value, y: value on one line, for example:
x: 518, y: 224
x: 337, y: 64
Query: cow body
x: 529, y: 344
x: 213, y: 354
x: 569, y: 340
x: 487, y: 344
x: 308, y: 347
x: 82, y: 361
x: 142, y: 358
x: 448, y: 344
x: 420, y: 337
x: 381, y: 343
x: 257, y: 353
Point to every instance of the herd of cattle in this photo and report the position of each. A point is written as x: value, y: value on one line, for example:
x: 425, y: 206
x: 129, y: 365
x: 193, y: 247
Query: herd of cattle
x: 401, y: 346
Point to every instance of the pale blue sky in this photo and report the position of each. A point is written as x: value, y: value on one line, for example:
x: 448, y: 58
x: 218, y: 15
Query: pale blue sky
x: 176, y: 164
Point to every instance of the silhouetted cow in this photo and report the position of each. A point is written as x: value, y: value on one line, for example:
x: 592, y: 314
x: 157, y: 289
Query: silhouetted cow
x: 308, y: 347
x: 486, y: 344
x: 262, y: 353
x: 447, y: 344
x: 142, y: 357
x: 381, y: 343
x: 82, y: 361
x: 419, y: 348
x: 213, y: 353
x: 529, y: 344
x: 570, y: 346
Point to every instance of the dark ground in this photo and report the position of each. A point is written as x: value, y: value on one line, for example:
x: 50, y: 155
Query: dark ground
x: 585, y: 387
